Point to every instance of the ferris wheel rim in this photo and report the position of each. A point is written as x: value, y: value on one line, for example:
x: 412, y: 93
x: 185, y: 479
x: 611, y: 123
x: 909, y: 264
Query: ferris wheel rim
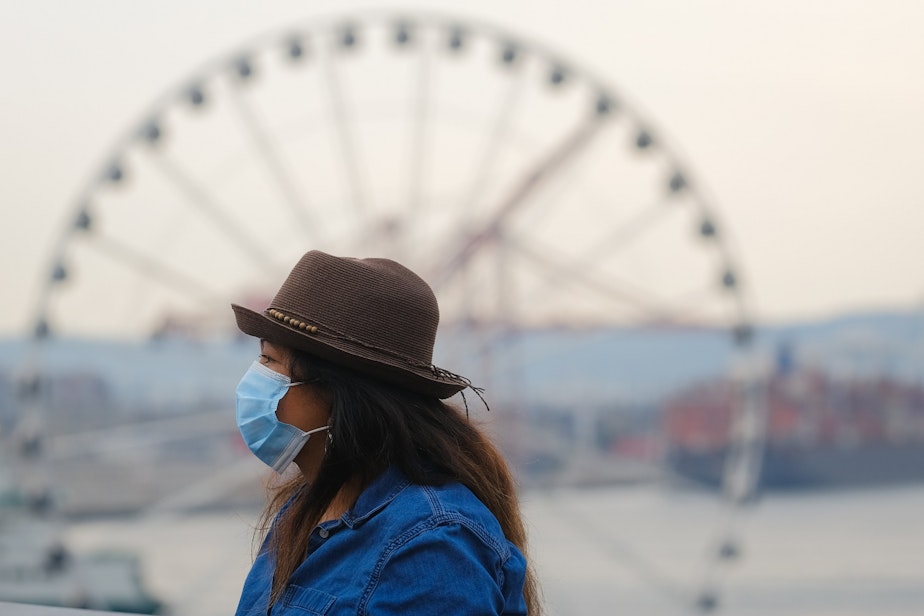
x: 278, y: 37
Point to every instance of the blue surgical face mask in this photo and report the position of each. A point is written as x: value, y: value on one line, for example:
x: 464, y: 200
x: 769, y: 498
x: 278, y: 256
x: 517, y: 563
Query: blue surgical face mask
x: 258, y: 395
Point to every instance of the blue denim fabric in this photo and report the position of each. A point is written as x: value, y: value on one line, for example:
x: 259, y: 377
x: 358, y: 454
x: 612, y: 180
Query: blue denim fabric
x: 402, y: 549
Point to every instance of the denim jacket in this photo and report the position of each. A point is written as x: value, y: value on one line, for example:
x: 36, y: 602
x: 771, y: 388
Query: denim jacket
x: 402, y: 549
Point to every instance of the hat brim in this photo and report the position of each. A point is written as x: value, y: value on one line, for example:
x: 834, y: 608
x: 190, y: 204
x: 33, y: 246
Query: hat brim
x: 348, y: 354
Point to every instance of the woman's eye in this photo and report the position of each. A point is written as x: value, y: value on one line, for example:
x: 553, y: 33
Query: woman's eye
x: 264, y: 358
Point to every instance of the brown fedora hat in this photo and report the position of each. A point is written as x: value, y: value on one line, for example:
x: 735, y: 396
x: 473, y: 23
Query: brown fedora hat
x: 374, y: 316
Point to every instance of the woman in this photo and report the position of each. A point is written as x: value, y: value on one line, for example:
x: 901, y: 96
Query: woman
x: 401, y: 505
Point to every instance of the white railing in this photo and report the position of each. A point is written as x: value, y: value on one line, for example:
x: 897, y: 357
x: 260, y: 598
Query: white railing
x: 21, y: 609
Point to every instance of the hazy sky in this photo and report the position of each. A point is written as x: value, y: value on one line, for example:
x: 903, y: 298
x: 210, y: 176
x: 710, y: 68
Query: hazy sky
x: 803, y: 119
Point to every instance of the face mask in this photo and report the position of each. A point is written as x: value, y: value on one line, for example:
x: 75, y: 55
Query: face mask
x: 258, y: 395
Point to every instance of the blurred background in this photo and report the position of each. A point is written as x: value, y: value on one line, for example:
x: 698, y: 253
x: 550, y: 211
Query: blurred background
x: 673, y: 241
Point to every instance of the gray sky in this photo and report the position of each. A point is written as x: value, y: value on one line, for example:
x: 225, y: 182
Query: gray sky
x: 802, y: 118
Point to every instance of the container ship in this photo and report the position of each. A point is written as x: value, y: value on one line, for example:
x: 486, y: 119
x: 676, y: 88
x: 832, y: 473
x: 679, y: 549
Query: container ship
x: 820, y: 431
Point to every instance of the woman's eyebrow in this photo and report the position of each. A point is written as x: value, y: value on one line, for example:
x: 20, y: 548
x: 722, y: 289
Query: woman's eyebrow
x: 269, y: 353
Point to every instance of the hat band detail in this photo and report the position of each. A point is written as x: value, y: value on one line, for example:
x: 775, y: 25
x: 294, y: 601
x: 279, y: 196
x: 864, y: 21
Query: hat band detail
x: 305, y: 327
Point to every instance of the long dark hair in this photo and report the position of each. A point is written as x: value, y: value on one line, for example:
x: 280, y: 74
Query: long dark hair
x: 374, y: 425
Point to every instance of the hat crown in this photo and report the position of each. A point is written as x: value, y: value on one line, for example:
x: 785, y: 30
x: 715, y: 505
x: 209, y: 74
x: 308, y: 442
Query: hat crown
x: 377, y: 303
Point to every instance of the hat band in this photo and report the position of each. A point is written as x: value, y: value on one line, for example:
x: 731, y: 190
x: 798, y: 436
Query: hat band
x: 308, y: 328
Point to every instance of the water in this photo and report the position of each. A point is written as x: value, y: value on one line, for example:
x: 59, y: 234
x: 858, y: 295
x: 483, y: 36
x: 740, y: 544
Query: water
x: 642, y: 551
x: 618, y: 551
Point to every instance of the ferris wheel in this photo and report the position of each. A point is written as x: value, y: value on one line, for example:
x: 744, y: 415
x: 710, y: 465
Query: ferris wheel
x: 527, y: 191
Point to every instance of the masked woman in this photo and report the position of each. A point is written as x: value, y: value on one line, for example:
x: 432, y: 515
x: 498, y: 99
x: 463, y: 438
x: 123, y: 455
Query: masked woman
x: 401, y: 505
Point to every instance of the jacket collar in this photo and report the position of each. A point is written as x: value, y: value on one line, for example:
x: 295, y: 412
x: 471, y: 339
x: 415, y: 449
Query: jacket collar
x: 376, y: 496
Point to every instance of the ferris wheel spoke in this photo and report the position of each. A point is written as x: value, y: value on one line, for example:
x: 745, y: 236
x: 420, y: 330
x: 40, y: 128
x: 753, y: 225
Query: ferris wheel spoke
x: 488, y: 157
x: 528, y: 185
x: 628, y: 232
x: 558, y: 270
x: 354, y: 177
x: 206, y: 203
x: 620, y: 551
x: 418, y: 135
x: 146, y: 266
x: 274, y: 164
